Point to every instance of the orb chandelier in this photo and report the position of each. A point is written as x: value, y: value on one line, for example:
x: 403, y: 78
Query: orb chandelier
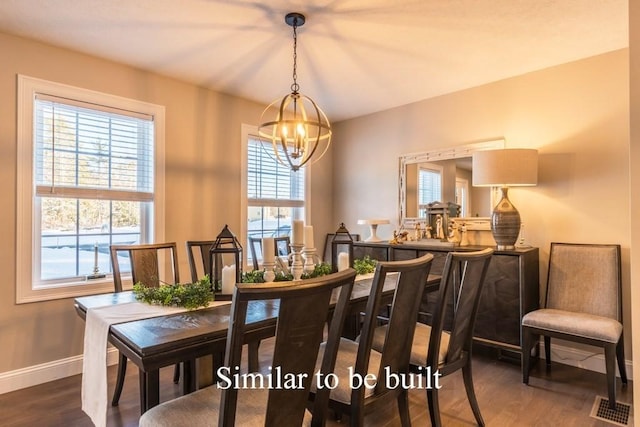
x: 297, y: 128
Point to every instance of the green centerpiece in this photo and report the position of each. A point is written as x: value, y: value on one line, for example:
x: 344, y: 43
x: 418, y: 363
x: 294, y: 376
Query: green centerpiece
x: 365, y: 265
x: 188, y: 295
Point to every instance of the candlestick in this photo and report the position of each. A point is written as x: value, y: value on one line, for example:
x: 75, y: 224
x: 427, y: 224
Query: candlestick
x: 310, y: 257
x: 297, y: 232
x: 297, y: 267
x: 96, y: 269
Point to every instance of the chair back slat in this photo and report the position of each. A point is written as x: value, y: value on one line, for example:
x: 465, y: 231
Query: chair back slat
x: 462, y: 281
x: 145, y: 263
x: 302, y: 314
x: 592, y: 268
x: 203, y: 249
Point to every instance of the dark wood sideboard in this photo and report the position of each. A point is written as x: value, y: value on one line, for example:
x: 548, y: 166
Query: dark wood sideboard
x: 510, y: 291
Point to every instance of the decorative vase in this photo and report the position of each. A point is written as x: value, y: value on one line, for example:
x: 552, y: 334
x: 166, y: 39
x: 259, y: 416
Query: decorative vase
x: 505, y: 223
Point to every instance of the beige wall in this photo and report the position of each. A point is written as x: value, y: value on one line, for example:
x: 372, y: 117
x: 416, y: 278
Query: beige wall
x: 634, y: 156
x: 576, y: 115
x: 202, y: 179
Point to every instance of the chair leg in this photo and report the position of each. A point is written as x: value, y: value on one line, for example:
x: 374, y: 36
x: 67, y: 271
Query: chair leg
x: 122, y: 370
x: 434, y: 407
x: 253, y: 356
x: 547, y: 349
x: 176, y: 373
x: 471, y: 394
x: 527, y: 337
x: 610, y: 363
x: 403, y: 409
x: 622, y: 367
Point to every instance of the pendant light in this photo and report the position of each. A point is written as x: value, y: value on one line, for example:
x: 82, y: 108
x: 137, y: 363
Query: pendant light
x: 297, y: 128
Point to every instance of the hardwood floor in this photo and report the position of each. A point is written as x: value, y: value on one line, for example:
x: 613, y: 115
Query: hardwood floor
x: 562, y: 396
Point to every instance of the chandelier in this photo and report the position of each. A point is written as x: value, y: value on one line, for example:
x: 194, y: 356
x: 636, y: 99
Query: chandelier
x: 297, y: 128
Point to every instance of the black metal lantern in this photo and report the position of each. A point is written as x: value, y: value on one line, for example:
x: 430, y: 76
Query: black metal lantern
x: 225, y: 251
x: 342, y: 242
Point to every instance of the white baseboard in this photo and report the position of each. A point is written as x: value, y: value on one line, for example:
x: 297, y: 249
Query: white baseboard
x: 50, y: 371
x: 45, y: 372
x: 592, y: 361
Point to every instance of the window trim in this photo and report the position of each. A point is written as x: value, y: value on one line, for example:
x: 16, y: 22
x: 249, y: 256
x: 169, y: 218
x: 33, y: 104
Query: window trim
x: 247, y: 131
x: 28, y: 87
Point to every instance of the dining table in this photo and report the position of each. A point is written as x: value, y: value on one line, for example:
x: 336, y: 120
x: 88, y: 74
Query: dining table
x: 156, y: 342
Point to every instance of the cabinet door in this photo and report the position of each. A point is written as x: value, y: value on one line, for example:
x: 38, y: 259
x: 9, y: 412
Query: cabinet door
x: 498, y: 316
x: 379, y: 253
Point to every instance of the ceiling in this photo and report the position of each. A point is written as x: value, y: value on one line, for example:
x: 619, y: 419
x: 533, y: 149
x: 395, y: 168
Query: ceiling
x: 355, y: 57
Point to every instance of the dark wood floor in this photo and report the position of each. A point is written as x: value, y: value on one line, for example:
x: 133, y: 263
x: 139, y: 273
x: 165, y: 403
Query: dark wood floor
x: 562, y: 396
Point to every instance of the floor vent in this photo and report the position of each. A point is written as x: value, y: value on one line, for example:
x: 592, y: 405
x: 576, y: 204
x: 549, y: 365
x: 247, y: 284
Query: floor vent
x: 620, y: 416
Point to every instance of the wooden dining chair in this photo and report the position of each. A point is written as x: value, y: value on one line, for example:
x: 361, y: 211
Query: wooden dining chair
x: 199, y: 250
x: 583, y: 304
x: 303, y: 311
x: 145, y: 262
x: 358, y: 356
x: 281, y: 246
x: 446, y: 352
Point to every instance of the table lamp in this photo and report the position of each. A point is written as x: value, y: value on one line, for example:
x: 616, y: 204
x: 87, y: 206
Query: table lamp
x: 505, y: 168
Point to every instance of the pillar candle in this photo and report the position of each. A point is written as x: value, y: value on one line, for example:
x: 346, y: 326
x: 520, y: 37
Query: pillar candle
x: 228, y: 278
x: 268, y: 250
x: 297, y: 233
x: 343, y: 261
x: 308, y: 237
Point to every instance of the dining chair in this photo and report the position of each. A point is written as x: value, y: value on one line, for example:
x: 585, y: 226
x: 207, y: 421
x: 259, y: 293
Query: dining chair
x: 199, y: 250
x: 302, y: 314
x: 446, y: 352
x: 356, y: 359
x: 583, y: 304
x: 145, y: 262
x: 280, y: 243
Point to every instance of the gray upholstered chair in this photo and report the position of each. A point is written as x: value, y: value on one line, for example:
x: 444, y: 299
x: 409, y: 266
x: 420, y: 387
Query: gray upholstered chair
x: 303, y: 312
x: 443, y: 351
x: 359, y: 357
x: 583, y: 304
x: 144, y: 261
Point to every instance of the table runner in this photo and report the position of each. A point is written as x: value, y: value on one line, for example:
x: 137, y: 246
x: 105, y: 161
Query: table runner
x: 94, y: 365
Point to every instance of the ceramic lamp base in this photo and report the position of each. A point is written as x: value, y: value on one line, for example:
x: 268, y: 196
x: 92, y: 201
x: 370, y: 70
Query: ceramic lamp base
x: 505, y: 223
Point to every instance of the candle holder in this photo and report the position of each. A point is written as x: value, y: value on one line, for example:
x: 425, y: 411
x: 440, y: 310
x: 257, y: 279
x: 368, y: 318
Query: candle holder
x: 297, y: 267
x: 96, y: 269
x: 269, y: 275
x: 310, y: 259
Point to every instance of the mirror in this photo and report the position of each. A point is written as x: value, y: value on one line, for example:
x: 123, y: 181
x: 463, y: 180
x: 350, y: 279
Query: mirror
x: 443, y: 175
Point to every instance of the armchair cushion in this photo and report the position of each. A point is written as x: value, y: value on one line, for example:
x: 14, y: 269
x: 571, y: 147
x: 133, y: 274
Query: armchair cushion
x: 580, y: 324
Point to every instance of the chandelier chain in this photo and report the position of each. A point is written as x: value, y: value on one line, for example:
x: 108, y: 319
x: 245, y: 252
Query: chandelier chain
x: 295, y: 87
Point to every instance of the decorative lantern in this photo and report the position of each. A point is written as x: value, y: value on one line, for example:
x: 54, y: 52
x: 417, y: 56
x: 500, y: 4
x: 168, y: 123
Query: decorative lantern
x: 341, y: 249
x: 225, y: 254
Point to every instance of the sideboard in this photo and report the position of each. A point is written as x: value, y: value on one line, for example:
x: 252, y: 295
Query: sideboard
x: 511, y: 288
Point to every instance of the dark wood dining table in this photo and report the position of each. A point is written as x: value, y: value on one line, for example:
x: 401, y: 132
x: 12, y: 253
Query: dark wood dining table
x: 162, y: 341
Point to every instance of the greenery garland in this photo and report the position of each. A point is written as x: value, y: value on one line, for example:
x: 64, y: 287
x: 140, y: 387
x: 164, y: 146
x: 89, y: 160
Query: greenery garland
x: 365, y: 265
x: 257, y: 276
x: 188, y: 295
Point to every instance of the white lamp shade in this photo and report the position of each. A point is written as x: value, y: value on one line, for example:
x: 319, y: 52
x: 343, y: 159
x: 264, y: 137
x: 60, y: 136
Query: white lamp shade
x: 505, y: 168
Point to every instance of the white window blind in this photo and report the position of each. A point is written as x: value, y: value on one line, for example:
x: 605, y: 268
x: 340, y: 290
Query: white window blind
x: 269, y: 183
x: 86, y: 151
x: 430, y: 185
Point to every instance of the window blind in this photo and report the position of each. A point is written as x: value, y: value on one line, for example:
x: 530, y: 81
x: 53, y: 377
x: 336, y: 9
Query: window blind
x: 85, y: 151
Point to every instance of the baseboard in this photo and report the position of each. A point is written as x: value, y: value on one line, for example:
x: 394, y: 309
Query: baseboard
x: 592, y: 361
x: 50, y: 371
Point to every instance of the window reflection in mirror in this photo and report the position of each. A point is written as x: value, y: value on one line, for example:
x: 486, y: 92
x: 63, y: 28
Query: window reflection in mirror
x: 443, y: 176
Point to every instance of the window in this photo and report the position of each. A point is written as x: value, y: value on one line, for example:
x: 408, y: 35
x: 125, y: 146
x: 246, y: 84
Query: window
x: 275, y: 195
x: 429, y: 186
x: 88, y: 177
